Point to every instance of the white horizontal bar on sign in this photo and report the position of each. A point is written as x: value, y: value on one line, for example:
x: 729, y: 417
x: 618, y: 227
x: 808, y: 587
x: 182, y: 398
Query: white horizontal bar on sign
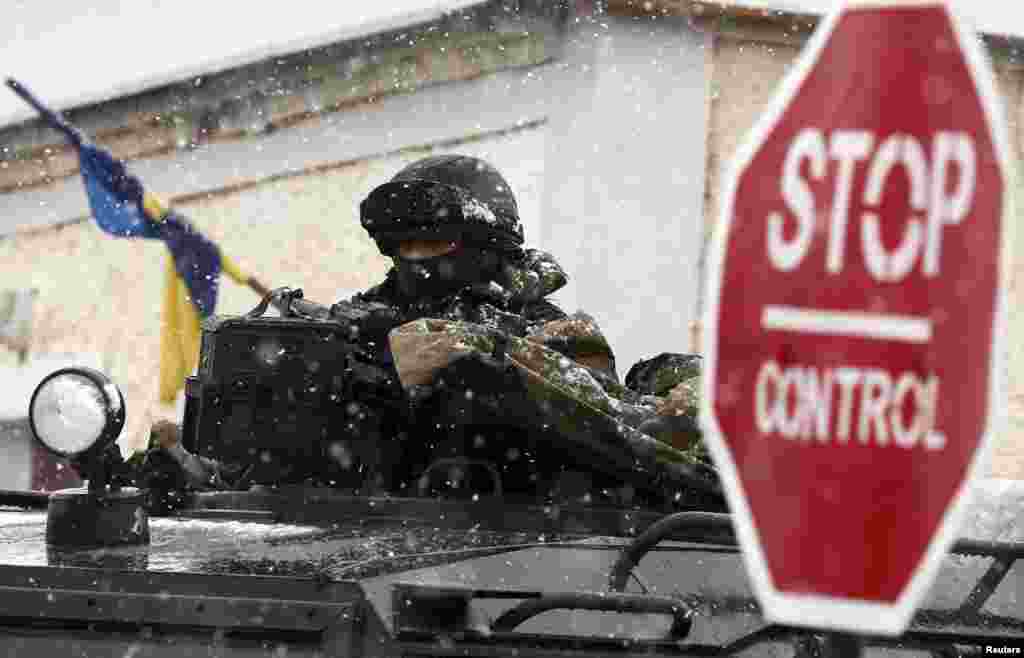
x: 880, y: 326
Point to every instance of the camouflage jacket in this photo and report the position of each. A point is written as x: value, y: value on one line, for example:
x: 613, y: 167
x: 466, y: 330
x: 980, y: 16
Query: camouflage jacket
x: 516, y: 305
x: 660, y: 395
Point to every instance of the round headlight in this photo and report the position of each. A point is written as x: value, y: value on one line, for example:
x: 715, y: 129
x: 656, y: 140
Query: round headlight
x: 75, y: 411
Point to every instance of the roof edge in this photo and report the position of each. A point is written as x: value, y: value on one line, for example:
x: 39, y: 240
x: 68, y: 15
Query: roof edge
x: 703, y: 12
x: 259, y: 53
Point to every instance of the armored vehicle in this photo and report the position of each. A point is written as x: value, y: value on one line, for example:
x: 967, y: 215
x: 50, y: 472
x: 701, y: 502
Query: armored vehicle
x: 328, y: 561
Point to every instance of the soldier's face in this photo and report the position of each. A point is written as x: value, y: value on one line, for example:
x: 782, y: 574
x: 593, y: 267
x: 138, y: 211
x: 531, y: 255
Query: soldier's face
x: 424, y: 249
x: 437, y: 268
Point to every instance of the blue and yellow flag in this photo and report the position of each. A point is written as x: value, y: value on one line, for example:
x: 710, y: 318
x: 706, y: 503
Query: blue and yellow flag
x: 122, y: 207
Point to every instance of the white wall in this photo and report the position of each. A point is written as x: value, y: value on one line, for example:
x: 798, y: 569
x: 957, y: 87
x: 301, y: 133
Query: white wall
x: 624, y: 179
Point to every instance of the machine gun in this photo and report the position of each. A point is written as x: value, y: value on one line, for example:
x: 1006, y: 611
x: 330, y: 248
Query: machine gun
x: 310, y: 396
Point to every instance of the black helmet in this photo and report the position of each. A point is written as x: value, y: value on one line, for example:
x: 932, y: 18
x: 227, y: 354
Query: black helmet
x: 444, y: 197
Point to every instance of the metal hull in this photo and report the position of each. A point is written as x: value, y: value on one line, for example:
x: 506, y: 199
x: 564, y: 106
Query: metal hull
x: 314, y: 573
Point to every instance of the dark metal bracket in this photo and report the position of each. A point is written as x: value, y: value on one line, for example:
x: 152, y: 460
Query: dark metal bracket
x: 423, y: 613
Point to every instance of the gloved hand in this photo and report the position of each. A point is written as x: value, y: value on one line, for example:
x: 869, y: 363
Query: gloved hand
x: 480, y: 372
x: 168, y: 471
x: 368, y: 322
x: 489, y: 293
x: 477, y: 387
x: 659, y: 375
x: 679, y: 431
x: 164, y: 482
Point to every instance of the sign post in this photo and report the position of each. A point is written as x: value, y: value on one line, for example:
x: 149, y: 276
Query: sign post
x: 852, y: 331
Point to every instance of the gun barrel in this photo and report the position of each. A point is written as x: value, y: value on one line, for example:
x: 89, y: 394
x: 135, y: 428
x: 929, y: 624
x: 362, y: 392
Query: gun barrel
x: 52, y: 118
x: 310, y: 310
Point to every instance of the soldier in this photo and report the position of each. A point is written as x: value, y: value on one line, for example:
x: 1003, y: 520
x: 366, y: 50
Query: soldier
x: 451, y: 226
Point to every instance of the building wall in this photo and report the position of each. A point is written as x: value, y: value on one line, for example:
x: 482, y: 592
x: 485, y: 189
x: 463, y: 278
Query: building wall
x: 748, y: 65
x: 625, y: 179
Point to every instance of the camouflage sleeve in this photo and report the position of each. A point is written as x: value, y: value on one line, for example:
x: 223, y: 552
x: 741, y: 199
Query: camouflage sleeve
x: 674, y: 381
x: 664, y: 372
x: 579, y: 338
x: 542, y: 312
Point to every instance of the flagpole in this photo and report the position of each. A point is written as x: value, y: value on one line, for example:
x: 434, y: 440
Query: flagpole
x: 155, y: 209
x: 53, y: 119
x: 254, y: 284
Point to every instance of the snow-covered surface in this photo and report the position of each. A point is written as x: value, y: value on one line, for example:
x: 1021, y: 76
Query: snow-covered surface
x: 988, y: 16
x: 996, y: 512
x: 78, y: 53
x: 18, y: 383
x: 996, y: 515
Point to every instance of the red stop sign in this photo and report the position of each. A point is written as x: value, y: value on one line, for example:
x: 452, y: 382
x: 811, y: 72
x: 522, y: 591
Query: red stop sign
x: 853, y: 309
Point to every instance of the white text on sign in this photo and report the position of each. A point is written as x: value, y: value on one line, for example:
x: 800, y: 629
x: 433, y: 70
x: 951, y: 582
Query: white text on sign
x: 866, y: 405
x: 942, y: 190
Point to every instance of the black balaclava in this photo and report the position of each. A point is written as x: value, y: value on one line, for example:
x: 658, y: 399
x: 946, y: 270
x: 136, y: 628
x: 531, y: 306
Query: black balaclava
x: 438, y: 277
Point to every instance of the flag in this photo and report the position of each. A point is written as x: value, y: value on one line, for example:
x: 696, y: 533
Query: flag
x: 122, y: 207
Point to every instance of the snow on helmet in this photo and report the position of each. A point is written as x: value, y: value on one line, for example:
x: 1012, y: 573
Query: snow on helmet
x: 444, y: 197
